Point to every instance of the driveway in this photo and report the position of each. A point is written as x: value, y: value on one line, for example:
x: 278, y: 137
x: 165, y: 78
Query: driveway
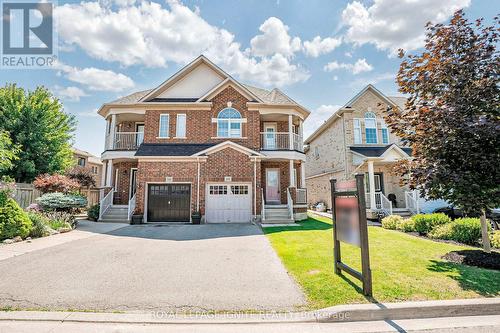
x: 166, y: 268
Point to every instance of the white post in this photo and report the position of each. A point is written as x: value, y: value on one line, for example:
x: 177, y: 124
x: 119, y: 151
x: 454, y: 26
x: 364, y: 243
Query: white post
x: 112, y: 132
x: 371, y: 180
x: 290, y: 131
x: 103, y: 176
x: 292, y: 178
x: 109, y: 173
x: 302, y: 174
x: 198, y: 188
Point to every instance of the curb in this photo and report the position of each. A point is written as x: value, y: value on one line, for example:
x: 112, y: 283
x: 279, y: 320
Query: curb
x: 335, y: 314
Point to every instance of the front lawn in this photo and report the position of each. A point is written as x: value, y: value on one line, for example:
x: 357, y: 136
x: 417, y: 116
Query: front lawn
x: 404, y: 267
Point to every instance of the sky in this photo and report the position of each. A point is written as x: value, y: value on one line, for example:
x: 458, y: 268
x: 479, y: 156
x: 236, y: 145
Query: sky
x: 320, y: 53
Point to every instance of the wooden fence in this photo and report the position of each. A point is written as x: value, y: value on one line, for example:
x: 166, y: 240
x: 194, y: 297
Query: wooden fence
x: 26, y: 194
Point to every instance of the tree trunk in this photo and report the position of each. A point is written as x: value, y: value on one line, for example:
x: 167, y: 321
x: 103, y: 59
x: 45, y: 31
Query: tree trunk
x: 484, y: 233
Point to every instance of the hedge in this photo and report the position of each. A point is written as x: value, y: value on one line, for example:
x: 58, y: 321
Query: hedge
x: 463, y: 230
x: 13, y: 221
x: 425, y: 223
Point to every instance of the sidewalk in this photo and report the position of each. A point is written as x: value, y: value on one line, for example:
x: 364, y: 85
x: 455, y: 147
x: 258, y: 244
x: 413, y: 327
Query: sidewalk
x: 84, y: 229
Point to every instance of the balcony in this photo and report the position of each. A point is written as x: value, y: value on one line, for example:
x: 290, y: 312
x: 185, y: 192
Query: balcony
x: 125, y: 141
x: 281, y: 141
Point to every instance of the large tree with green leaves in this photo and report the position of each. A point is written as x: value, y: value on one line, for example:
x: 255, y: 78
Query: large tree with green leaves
x: 8, y: 152
x: 38, y: 125
x: 452, y: 117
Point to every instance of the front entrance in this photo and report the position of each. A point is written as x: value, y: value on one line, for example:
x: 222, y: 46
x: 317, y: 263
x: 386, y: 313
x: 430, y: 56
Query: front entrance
x: 169, y: 203
x: 273, y: 186
x: 228, y: 203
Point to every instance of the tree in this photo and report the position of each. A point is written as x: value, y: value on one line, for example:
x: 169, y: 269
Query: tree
x: 55, y: 183
x: 8, y: 152
x: 40, y: 128
x: 452, y: 117
x: 82, y: 175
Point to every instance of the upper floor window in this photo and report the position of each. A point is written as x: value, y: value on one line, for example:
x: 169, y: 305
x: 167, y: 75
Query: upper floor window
x: 370, y: 127
x: 81, y: 161
x: 385, y: 133
x: 316, y: 152
x: 229, y: 123
x: 357, y: 131
x: 180, y: 130
x: 163, y: 127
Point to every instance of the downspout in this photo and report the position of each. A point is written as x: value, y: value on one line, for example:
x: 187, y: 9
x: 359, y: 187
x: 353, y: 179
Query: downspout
x: 345, y: 147
x: 198, y: 187
x: 255, y: 187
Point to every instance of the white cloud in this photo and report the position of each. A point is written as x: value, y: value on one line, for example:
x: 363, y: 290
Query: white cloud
x: 145, y: 33
x: 391, y: 25
x: 317, y: 46
x: 70, y: 93
x: 359, y: 66
x: 96, y: 79
x: 374, y: 79
x: 90, y: 114
x: 318, y: 117
x: 274, y: 39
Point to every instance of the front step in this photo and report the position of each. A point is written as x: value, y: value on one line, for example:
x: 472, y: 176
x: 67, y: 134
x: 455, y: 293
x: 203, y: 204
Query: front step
x: 403, y: 212
x: 274, y: 221
x: 115, y: 214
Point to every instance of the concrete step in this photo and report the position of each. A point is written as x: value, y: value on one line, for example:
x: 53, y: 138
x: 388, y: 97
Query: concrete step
x: 275, y: 206
x: 286, y: 214
x: 278, y: 221
x: 115, y: 217
x: 113, y: 220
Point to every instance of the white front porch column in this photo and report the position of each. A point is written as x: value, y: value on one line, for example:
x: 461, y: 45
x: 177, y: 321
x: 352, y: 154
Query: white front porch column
x: 109, y: 173
x: 103, y: 175
x: 301, y: 129
x: 302, y: 174
x: 290, y: 131
x: 112, y: 131
x: 371, y: 180
x: 292, y: 178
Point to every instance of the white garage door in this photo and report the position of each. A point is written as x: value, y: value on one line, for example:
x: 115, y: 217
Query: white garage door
x: 228, y: 203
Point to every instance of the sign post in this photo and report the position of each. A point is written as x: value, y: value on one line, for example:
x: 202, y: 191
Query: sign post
x: 350, y: 226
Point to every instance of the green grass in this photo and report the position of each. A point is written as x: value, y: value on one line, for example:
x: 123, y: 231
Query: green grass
x: 404, y: 267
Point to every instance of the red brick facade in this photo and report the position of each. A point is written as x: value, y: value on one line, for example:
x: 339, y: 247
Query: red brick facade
x: 121, y: 175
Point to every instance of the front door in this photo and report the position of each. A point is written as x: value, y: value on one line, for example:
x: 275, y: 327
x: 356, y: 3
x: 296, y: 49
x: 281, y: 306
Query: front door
x: 273, y: 186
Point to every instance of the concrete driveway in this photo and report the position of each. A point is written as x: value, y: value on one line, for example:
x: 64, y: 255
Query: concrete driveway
x: 166, y: 268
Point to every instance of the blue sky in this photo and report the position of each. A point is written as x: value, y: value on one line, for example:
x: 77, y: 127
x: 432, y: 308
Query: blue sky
x: 321, y: 53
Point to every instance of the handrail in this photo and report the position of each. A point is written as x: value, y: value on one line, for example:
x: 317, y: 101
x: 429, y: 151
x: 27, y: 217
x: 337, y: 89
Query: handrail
x: 289, y: 203
x: 131, y: 207
x: 411, y: 201
x: 106, y: 202
x: 262, y: 209
x: 383, y: 203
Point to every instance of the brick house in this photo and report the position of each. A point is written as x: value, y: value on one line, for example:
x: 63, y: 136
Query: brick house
x: 202, y: 141
x: 355, y: 139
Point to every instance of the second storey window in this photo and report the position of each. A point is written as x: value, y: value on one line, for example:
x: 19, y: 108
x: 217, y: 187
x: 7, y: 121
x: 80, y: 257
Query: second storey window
x: 163, y: 132
x: 385, y: 133
x: 229, y: 123
x: 357, y: 131
x: 81, y: 161
x: 370, y: 127
x: 180, y: 126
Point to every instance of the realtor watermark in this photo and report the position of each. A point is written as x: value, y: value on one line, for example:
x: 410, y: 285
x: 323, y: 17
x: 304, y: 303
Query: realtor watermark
x: 29, y: 38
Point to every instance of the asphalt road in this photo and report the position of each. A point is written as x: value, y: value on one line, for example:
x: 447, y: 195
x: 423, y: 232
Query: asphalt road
x: 166, y: 268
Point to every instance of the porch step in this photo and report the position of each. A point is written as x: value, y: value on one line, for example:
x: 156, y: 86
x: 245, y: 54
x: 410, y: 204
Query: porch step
x: 280, y: 221
x: 115, y: 213
x: 267, y: 206
x: 401, y: 212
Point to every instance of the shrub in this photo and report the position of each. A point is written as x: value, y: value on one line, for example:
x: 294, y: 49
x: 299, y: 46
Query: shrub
x: 495, y: 239
x: 34, y: 207
x: 13, y: 221
x: 6, y: 189
x: 61, y: 201
x: 55, y: 183
x: 464, y: 230
x: 58, y: 220
x: 391, y: 222
x: 424, y: 223
x: 82, y: 175
x: 93, y: 212
x: 40, y: 225
x: 407, y: 225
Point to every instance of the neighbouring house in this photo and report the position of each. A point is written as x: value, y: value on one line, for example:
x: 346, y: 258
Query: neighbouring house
x: 203, y: 142
x: 355, y: 139
x: 92, y: 162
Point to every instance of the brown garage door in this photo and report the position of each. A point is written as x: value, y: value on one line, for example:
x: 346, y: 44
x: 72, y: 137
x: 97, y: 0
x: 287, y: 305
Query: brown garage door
x: 169, y: 202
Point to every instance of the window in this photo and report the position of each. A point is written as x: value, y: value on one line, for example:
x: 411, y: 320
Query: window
x: 218, y: 189
x: 316, y: 152
x: 378, y: 184
x: 94, y: 169
x: 81, y: 161
x: 229, y: 123
x: 164, y: 120
x: 239, y: 189
x: 385, y: 133
x: 357, y: 131
x: 370, y: 127
x: 180, y: 130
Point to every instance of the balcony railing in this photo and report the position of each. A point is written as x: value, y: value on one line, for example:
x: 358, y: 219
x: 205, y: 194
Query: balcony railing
x: 281, y: 141
x: 125, y: 141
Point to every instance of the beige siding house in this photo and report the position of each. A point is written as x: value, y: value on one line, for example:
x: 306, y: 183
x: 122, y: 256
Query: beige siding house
x: 355, y: 139
x: 87, y: 160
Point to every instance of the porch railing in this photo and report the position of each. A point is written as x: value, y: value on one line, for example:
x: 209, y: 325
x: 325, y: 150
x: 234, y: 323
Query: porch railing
x: 411, y: 201
x: 281, y: 141
x: 105, y: 203
x: 301, y: 196
x: 126, y: 140
x: 131, y: 207
x: 381, y: 203
x: 289, y: 203
x: 263, y: 205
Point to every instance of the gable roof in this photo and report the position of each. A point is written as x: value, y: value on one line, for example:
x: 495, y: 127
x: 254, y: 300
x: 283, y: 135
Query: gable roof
x: 228, y: 144
x: 379, y: 151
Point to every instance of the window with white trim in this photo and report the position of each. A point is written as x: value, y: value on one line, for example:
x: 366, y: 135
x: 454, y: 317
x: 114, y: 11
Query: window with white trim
x: 180, y: 126
x: 385, y: 133
x: 229, y: 123
x: 163, y: 128
x: 370, y: 127
x: 357, y: 131
x: 316, y: 152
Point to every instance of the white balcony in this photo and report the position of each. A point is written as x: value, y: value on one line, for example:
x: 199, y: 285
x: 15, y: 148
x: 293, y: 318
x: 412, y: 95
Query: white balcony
x: 125, y: 141
x: 281, y: 141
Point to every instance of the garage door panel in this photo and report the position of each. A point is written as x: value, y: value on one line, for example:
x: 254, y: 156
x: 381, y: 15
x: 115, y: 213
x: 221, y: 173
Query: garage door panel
x: 169, y: 202
x: 228, y: 203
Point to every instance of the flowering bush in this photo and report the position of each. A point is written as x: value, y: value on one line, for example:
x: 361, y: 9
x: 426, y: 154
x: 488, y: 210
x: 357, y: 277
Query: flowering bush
x: 55, y: 183
x: 58, y: 220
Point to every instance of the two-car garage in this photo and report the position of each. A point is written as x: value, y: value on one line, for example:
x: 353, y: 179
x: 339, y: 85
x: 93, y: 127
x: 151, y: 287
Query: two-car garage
x: 224, y: 203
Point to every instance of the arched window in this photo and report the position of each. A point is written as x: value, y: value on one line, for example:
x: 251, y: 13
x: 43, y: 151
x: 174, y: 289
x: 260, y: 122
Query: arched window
x: 370, y: 127
x: 229, y: 123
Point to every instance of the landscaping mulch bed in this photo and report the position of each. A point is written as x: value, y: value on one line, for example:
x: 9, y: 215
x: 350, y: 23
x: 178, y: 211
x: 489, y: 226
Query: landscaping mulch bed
x: 476, y: 258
